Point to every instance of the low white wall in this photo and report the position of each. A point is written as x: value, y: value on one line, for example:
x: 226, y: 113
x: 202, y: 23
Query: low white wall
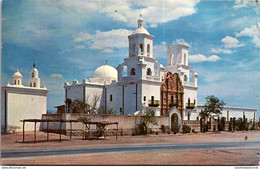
x: 125, y: 123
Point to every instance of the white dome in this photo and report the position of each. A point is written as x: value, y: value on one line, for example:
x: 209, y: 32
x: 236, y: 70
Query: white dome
x: 105, y: 71
x: 17, y: 74
x: 141, y: 30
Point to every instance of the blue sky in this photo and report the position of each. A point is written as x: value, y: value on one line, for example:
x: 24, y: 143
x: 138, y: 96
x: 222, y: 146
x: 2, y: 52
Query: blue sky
x: 70, y: 39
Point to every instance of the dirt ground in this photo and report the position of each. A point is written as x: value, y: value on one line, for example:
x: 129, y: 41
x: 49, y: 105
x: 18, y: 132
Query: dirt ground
x: 230, y: 156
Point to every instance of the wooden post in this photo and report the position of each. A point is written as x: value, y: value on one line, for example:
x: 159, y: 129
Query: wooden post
x: 47, y: 131
x: 70, y: 130
x: 60, y: 130
x: 35, y: 132
x: 83, y: 131
x: 23, y: 130
x: 116, y: 130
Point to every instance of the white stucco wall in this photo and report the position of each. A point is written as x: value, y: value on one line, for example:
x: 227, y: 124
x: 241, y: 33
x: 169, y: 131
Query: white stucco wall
x: 92, y: 91
x: 116, y: 103
x: 75, y: 92
x: 24, y: 103
x: 236, y: 112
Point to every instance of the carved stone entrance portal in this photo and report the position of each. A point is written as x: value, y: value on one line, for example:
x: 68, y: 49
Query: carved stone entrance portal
x: 171, y: 93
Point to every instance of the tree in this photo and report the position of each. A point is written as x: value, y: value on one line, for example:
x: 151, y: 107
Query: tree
x: 92, y: 106
x: 68, y: 102
x: 148, y: 118
x: 84, y: 120
x: 79, y: 106
x: 212, y: 106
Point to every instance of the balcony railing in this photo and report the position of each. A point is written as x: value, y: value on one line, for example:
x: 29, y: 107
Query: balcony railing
x: 155, y: 103
x: 173, y: 104
x: 190, y: 105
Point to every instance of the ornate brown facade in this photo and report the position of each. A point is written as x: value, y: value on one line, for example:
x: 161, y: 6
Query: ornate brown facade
x: 171, y: 93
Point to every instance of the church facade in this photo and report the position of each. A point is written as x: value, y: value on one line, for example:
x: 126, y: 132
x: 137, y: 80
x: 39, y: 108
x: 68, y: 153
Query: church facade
x: 141, y: 82
x: 22, y: 102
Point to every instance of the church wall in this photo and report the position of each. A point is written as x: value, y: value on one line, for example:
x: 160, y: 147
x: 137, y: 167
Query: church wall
x: 75, y: 92
x: 192, y: 94
x: 236, y: 112
x: 130, y: 99
x: 25, y: 106
x: 149, y: 90
x: 92, y: 91
x: 116, y: 92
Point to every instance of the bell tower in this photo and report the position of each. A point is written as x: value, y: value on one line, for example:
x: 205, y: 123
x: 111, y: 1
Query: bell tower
x: 34, y: 80
x: 140, y: 42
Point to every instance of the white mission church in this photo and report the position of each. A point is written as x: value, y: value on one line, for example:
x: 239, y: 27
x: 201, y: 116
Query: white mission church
x: 141, y: 81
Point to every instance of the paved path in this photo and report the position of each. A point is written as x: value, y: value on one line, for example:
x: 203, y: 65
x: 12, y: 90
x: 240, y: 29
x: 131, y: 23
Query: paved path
x: 123, y: 149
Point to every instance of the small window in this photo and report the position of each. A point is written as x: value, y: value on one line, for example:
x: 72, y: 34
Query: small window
x: 149, y: 72
x: 34, y: 84
x: 121, y: 109
x: 18, y: 82
x: 144, y: 98
x: 132, y: 71
x: 148, y: 49
x: 133, y: 48
x: 188, y: 100
x: 171, y: 99
x: 30, y: 84
x: 141, y: 49
x: 185, y: 78
x: 152, y: 99
x: 111, y: 98
x: 32, y: 75
x: 14, y: 82
x: 185, y: 59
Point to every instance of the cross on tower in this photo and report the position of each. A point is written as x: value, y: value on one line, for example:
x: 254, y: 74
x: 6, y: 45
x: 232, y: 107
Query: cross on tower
x: 34, y: 65
x: 106, y: 62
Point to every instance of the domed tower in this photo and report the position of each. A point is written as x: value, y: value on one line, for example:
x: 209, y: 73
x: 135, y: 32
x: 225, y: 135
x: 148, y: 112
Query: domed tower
x: 17, y: 78
x: 140, y: 42
x: 34, y: 80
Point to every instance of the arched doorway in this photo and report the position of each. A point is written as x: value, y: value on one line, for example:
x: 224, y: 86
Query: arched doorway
x: 174, y: 122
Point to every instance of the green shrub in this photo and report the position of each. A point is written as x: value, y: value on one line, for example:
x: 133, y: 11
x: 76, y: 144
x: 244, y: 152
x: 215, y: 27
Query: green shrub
x: 252, y: 127
x: 142, y: 129
x: 222, y: 124
x: 186, y: 129
x: 163, y: 128
x: 175, y: 129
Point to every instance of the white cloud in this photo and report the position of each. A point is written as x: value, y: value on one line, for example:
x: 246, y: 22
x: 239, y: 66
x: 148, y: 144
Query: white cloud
x: 251, y: 32
x: 82, y: 37
x: 107, y: 50
x: 230, y: 42
x: 56, y: 76
x: 203, y: 58
x: 243, y: 3
x: 127, y: 11
x: 104, y: 41
x: 80, y: 47
x: 220, y: 50
x: 181, y: 41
